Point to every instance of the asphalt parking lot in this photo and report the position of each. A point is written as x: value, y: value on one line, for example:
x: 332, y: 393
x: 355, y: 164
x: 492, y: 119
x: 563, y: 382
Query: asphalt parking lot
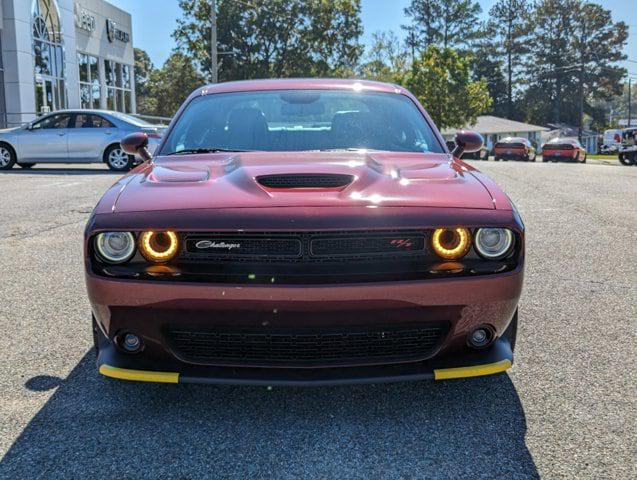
x: 566, y: 409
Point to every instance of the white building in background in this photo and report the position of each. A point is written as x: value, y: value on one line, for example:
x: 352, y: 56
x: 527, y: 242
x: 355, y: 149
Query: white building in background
x: 494, y: 128
x: 64, y: 54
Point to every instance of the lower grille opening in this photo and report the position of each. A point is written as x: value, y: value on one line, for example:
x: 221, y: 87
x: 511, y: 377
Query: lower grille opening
x: 305, y: 348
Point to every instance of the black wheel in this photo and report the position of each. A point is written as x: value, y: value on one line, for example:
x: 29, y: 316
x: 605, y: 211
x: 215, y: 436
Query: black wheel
x: 7, y: 157
x: 545, y: 159
x: 26, y: 165
x: 497, y: 159
x: 626, y: 159
x: 512, y: 330
x: 118, y: 160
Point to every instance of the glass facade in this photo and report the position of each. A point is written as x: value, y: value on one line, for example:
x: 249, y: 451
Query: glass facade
x: 48, y: 51
x: 118, y: 86
x: 90, y: 87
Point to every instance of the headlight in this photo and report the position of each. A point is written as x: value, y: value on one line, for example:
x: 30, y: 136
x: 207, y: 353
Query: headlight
x: 451, y: 243
x: 493, y: 243
x: 115, y: 247
x: 159, y: 247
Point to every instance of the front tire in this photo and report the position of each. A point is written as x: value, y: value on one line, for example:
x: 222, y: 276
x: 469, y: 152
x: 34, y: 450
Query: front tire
x: 626, y: 159
x: 118, y: 160
x: 7, y: 157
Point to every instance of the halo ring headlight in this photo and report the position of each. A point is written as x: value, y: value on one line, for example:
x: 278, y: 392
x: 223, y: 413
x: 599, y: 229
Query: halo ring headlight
x: 115, y: 247
x: 159, y: 247
x: 451, y: 243
x: 493, y: 243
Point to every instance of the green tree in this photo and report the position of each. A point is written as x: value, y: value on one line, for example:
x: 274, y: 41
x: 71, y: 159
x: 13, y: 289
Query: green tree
x: 143, y: 68
x: 169, y: 86
x: 575, y: 44
x: 598, y: 43
x: 278, y: 38
x: 386, y: 60
x: 508, y: 30
x: 487, y: 67
x: 450, y: 23
x: 441, y: 80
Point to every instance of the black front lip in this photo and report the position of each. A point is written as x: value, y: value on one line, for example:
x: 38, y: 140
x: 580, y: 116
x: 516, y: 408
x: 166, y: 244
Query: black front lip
x: 110, y: 361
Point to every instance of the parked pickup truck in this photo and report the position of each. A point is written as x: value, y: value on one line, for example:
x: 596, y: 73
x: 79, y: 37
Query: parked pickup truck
x: 628, y: 149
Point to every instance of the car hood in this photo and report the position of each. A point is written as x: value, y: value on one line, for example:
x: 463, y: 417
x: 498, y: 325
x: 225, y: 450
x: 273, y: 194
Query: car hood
x: 231, y: 180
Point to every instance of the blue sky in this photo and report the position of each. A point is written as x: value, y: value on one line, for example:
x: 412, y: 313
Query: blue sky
x: 153, y: 24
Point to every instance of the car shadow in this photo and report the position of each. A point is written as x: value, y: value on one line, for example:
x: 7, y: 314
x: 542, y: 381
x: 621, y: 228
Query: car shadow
x: 59, y: 171
x: 94, y: 427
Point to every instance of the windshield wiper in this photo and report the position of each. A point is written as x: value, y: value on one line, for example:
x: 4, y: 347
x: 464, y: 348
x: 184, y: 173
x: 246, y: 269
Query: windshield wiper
x: 205, y: 150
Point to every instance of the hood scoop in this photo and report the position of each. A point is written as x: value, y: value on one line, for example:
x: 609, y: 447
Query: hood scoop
x: 305, y: 180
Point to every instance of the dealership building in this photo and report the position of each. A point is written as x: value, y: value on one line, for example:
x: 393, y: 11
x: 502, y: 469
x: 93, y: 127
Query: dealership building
x: 64, y: 54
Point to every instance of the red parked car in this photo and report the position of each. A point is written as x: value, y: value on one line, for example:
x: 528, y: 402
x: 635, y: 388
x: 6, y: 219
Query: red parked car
x: 514, y: 148
x: 303, y: 232
x: 559, y: 149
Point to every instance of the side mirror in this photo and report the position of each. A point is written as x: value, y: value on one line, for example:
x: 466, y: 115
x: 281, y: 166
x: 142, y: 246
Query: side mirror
x: 467, y: 141
x: 136, y: 144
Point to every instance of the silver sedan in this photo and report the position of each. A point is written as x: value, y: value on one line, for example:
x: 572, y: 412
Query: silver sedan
x: 75, y: 136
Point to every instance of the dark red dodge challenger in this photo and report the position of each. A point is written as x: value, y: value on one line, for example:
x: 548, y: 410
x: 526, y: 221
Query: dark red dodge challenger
x: 292, y: 232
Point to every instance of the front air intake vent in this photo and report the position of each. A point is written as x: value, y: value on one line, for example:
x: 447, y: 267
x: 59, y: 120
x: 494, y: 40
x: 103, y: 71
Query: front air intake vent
x: 305, y: 180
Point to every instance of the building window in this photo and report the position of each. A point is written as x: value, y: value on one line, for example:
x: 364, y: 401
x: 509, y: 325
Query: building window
x: 118, y: 86
x: 48, y: 51
x: 90, y: 90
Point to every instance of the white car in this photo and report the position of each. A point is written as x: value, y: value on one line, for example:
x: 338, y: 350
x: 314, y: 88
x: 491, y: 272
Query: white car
x: 75, y: 136
x: 612, y: 141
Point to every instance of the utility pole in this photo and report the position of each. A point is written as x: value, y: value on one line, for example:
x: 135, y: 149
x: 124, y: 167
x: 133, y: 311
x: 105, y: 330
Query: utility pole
x: 629, y: 111
x: 213, y: 42
x: 581, y: 102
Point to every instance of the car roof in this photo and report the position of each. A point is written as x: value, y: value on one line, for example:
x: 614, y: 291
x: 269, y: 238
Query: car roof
x: 302, y: 84
x: 82, y: 110
x: 513, y: 139
x: 563, y: 140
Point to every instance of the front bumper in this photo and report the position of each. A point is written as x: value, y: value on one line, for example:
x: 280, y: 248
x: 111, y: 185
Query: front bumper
x: 146, y: 308
x: 496, y: 359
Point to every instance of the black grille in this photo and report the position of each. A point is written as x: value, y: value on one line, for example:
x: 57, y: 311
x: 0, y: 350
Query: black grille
x: 313, y: 180
x: 367, y: 245
x: 305, y: 348
x: 206, y: 246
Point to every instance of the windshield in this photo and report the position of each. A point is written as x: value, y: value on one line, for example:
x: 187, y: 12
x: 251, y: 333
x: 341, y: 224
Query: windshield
x: 298, y: 120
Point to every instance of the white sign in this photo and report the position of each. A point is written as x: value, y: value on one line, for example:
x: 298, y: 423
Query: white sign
x: 83, y: 19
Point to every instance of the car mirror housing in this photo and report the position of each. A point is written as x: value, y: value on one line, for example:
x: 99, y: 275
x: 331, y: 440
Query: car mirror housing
x: 136, y: 144
x: 467, y: 141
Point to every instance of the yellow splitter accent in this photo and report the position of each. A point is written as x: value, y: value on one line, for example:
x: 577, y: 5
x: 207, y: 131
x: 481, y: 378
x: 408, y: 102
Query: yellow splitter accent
x: 173, y: 377
x: 139, y: 375
x: 475, y: 371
